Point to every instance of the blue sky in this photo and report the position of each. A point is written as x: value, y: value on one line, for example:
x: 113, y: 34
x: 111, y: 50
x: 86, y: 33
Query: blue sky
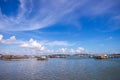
x: 59, y: 26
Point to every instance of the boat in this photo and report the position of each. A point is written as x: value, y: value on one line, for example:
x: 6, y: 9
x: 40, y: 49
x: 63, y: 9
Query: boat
x: 42, y: 58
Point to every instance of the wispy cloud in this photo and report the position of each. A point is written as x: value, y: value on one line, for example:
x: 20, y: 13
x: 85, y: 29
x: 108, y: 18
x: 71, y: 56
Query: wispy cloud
x: 102, y: 7
x: 43, y: 13
x: 58, y: 43
x: 110, y: 38
x: 115, y: 21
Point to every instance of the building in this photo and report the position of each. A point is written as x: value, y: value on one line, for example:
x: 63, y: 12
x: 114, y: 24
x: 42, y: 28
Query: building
x: 100, y: 56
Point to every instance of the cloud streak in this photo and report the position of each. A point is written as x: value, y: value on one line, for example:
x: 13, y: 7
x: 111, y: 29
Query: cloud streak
x: 43, y: 13
x: 58, y: 43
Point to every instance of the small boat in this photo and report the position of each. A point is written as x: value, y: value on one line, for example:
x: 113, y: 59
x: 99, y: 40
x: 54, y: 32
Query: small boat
x: 42, y: 58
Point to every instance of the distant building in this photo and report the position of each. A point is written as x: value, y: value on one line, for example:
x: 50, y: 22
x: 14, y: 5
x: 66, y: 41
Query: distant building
x: 101, y: 56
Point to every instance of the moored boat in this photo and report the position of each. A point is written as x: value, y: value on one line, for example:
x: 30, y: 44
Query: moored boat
x: 42, y: 58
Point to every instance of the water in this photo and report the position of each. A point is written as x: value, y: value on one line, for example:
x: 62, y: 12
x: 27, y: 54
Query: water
x: 60, y: 69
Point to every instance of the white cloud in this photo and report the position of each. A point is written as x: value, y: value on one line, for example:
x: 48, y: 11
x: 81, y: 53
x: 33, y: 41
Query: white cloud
x: 11, y: 40
x: 43, y: 48
x: 72, y: 51
x: 33, y: 45
x: 62, y: 50
x: 1, y: 37
x: 79, y: 49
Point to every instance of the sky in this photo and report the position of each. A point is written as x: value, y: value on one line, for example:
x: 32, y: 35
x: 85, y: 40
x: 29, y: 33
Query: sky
x: 59, y: 26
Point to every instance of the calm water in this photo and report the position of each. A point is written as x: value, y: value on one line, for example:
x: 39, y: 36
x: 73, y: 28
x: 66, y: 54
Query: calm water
x: 60, y: 69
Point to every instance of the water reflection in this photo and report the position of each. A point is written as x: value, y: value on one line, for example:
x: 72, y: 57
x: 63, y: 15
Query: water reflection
x: 60, y: 69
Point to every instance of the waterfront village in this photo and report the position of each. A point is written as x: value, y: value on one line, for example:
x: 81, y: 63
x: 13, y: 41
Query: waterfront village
x: 46, y: 57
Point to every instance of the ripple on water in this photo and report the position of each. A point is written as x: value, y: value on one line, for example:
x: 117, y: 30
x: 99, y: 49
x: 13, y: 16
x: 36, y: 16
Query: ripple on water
x: 60, y: 69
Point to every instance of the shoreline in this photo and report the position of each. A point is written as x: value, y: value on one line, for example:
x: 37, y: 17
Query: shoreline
x: 46, y: 57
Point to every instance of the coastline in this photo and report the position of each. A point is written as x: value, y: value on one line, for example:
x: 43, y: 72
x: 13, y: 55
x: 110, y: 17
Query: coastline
x: 46, y: 57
